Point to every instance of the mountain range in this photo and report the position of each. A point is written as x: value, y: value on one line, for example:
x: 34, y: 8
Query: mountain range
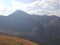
x: 44, y: 30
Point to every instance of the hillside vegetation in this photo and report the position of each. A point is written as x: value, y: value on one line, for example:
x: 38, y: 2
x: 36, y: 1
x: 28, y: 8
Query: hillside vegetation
x: 8, y: 40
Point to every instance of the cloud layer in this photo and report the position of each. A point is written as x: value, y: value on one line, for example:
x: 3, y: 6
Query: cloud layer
x: 40, y: 7
x: 50, y: 7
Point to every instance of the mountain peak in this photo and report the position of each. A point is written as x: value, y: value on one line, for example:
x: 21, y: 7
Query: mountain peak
x: 18, y: 12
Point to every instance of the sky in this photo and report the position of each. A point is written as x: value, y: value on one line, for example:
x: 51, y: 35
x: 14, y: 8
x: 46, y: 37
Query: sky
x: 39, y: 7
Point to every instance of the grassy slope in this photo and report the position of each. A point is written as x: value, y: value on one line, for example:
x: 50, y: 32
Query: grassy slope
x: 8, y: 40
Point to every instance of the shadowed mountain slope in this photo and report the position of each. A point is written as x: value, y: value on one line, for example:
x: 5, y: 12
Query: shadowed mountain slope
x: 45, y: 30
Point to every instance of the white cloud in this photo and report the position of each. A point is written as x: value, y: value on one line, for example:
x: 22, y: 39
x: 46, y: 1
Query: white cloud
x: 2, y: 8
x: 45, y: 7
x: 6, y: 9
x: 54, y: 13
x: 39, y: 7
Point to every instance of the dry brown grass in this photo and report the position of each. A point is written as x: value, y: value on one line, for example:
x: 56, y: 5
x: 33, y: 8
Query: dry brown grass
x: 8, y: 40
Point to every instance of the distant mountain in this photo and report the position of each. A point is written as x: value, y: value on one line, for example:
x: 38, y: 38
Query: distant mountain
x: 44, y: 30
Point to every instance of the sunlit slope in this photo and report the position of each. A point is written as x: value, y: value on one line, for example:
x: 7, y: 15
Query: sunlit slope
x: 7, y: 40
